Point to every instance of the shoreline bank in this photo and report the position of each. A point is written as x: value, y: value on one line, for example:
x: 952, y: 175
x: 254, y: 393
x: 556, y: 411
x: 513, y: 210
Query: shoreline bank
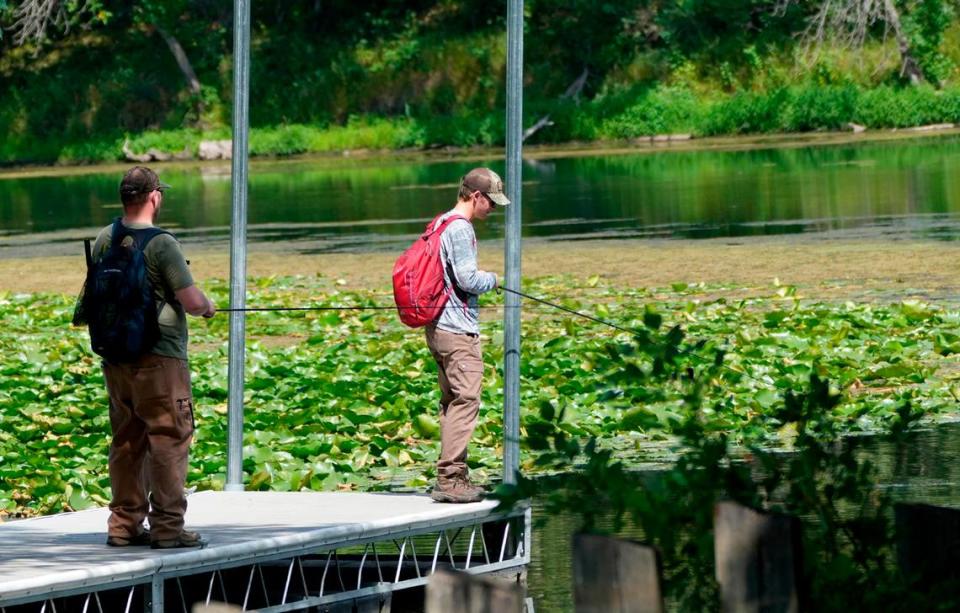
x: 646, y: 145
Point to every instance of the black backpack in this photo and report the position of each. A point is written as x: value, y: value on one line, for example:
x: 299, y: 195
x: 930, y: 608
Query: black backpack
x: 117, y: 302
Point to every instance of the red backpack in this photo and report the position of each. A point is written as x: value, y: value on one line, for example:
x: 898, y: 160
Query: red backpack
x: 418, y: 286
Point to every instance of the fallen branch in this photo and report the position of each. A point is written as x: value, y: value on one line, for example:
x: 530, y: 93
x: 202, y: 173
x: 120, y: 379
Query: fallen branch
x: 543, y: 122
x: 932, y: 127
x: 572, y: 91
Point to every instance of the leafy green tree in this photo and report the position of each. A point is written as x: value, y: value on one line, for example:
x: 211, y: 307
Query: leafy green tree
x: 568, y: 37
x: 721, y: 29
x: 36, y: 21
x: 205, y: 24
x: 924, y: 26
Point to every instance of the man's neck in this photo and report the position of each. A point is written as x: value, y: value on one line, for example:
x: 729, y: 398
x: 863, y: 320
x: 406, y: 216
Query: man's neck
x: 464, y: 208
x: 144, y: 215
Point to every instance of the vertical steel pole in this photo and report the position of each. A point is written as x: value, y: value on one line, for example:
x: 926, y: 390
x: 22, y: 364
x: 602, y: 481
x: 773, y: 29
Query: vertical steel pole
x: 511, y: 314
x: 156, y: 604
x: 238, y: 243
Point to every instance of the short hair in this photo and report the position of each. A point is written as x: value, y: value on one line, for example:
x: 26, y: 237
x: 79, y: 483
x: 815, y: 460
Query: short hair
x: 134, y: 200
x: 465, y: 192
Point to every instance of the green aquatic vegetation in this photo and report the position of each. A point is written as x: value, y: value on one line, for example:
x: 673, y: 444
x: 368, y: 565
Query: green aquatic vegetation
x: 848, y: 534
x: 347, y: 399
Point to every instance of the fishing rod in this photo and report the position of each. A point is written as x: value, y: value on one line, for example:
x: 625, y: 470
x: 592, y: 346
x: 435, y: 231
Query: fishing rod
x: 566, y: 310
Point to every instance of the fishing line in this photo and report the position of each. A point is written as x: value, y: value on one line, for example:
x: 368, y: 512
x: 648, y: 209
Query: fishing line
x: 348, y: 308
x: 394, y: 307
x: 499, y: 289
x: 310, y: 308
x: 614, y: 326
x: 445, y: 306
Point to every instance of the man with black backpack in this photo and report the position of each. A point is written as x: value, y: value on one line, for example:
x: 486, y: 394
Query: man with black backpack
x: 454, y: 336
x: 136, y: 297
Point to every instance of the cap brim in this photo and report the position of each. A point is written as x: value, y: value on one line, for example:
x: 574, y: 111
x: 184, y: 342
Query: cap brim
x: 163, y: 186
x: 499, y: 198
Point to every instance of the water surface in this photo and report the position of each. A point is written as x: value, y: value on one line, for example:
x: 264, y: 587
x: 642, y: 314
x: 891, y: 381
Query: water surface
x: 895, y: 189
x: 924, y: 470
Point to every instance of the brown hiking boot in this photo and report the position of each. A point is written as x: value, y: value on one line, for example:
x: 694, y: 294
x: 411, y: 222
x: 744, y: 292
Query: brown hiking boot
x: 456, y: 489
x: 184, y: 539
x: 140, y: 540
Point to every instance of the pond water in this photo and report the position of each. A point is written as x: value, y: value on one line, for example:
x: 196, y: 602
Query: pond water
x: 924, y: 470
x: 893, y: 188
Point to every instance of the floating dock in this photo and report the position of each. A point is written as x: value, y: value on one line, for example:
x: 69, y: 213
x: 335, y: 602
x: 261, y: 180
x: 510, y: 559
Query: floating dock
x: 266, y: 551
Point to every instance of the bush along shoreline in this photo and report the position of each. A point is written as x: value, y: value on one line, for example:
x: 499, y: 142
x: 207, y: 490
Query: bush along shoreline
x: 659, y: 113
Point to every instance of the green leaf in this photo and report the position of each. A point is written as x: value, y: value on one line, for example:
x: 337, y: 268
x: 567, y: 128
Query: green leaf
x: 426, y: 426
x: 651, y: 318
x: 547, y: 410
x: 639, y: 419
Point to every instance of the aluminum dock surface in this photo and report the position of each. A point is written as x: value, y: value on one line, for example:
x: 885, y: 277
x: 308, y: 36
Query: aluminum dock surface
x: 272, y: 551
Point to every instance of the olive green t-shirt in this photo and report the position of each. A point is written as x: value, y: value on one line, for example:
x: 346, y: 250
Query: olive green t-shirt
x: 168, y: 273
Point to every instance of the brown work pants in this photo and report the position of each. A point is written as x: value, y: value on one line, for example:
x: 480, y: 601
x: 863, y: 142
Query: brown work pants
x: 460, y: 375
x: 151, y: 416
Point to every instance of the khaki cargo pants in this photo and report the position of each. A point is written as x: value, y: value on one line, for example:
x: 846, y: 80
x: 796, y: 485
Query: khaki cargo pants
x: 460, y: 376
x: 151, y: 416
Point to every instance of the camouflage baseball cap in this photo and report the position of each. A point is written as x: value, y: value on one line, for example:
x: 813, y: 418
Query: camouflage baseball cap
x: 140, y: 180
x: 488, y: 182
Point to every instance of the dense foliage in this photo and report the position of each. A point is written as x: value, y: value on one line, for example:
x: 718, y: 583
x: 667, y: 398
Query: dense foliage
x: 346, y: 399
x: 846, y: 552
x: 423, y: 73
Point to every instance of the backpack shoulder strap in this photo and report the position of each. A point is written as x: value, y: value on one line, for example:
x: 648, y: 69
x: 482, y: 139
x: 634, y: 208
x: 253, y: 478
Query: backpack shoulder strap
x: 143, y: 237
x: 117, y: 232
x: 446, y: 222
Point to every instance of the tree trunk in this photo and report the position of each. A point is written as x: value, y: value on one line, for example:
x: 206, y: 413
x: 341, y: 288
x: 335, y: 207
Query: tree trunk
x: 185, y: 67
x: 909, y: 66
x: 573, y: 91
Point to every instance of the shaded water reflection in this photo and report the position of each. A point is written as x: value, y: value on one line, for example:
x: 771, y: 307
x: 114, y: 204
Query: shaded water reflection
x: 927, y: 470
x: 890, y: 188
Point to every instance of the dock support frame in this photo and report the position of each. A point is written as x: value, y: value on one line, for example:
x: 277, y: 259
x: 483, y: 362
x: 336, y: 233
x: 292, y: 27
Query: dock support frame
x: 311, y: 574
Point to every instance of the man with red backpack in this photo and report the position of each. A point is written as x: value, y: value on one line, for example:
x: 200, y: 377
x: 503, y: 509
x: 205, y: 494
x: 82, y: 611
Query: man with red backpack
x: 454, y: 336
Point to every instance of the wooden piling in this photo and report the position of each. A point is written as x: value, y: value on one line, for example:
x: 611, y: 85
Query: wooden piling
x: 456, y: 592
x: 615, y: 576
x: 758, y: 560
